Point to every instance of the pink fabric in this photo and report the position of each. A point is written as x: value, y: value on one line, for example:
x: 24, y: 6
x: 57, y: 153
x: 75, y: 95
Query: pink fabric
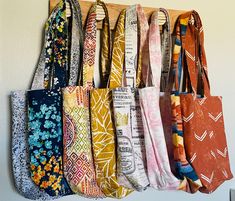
x: 158, y: 167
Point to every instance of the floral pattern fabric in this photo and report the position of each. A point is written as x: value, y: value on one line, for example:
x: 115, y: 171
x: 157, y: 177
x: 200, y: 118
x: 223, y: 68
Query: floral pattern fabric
x: 45, y: 141
x: 44, y: 110
x: 20, y: 151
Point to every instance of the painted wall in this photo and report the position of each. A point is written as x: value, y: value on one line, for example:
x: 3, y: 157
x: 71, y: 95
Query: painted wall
x: 21, y: 26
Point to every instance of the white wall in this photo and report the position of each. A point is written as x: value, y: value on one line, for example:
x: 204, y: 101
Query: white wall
x: 21, y: 25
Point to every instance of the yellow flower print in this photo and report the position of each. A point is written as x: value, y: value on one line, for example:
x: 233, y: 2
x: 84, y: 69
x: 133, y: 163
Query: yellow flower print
x: 44, y: 184
x: 56, y: 168
x: 48, y: 167
x: 36, y: 178
x: 52, y: 178
x: 55, y: 186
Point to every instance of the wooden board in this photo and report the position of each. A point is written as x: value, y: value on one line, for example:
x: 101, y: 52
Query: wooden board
x: 115, y: 9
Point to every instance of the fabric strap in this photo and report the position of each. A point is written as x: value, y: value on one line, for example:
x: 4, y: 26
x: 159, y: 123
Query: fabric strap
x: 118, y: 53
x: 130, y: 47
x: 166, y: 49
x: 90, y: 48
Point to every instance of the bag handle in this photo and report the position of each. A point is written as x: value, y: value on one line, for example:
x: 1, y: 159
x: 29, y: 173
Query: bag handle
x: 136, y: 66
x: 41, y: 75
x: 197, y: 69
x: 193, y: 54
x: 166, y: 49
x: 90, y: 47
x: 76, y: 45
x: 117, y: 62
x: 154, y: 52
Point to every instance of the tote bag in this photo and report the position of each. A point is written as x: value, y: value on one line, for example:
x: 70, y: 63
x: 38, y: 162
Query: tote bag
x: 21, y: 166
x: 45, y: 108
x: 102, y: 126
x: 128, y: 122
x: 202, y: 113
x: 158, y: 167
x: 85, y: 178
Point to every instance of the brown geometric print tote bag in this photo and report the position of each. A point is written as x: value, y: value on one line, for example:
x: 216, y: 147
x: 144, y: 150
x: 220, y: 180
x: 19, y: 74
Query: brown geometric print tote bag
x: 203, y: 123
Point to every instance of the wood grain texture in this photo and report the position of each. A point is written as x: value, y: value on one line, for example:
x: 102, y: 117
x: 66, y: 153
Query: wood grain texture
x: 115, y: 9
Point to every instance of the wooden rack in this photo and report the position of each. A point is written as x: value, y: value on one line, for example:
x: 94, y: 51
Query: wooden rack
x: 115, y: 9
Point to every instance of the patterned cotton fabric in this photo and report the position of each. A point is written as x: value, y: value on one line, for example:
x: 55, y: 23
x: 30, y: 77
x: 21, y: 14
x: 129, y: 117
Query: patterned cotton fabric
x: 128, y: 121
x: 183, y: 167
x: 102, y: 127
x: 159, y: 172
x: 44, y: 111
x: 78, y: 161
x: 202, y: 116
x: 21, y: 168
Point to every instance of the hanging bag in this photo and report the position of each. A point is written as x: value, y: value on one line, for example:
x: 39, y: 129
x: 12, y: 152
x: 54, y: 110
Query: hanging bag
x: 166, y: 86
x: 128, y: 121
x: 102, y: 127
x: 45, y: 109
x: 184, y: 169
x: 158, y: 167
x: 78, y: 159
x: 202, y: 113
x: 21, y: 166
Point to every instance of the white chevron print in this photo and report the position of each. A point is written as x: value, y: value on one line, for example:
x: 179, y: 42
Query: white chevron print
x: 187, y: 119
x: 213, y: 154
x: 215, y: 119
x: 201, y: 29
x: 202, y: 100
x: 202, y: 137
x: 223, y: 154
x: 211, y: 134
x: 209, y: 180
x: 225, y: 173
x: 193, y: 157
x: 189, y: 55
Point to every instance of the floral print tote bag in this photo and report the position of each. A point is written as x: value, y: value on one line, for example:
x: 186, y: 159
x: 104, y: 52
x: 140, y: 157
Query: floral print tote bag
x: 20, y: 149
x: 45, y: 106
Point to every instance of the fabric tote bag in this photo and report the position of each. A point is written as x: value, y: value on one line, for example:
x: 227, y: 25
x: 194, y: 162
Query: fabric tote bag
x: 20, y: 149
x: 128, y: 122
x: 158, y: 167
x: 102, y: 125
x: 166, y: 86
x: 202, y: 113
x: 184, y: 169
x: 78, y: 156
x: 45, y: 112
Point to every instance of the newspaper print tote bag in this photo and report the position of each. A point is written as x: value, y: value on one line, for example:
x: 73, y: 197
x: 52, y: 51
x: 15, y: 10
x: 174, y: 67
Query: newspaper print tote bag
x: 202, y: 113
x: 78, y: 156
x: 128, y: 121
x: 102, y: 126
x: 158, y: 167
x: 45, y: 112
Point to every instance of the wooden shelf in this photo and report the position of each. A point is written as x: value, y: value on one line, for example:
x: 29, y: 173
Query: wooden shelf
x: 115, y: 9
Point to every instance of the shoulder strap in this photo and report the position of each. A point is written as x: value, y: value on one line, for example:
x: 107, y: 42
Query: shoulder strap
x: 90, y: 47
x: 118, y: 54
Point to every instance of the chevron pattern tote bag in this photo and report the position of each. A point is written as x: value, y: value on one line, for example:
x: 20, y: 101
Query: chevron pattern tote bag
x: 202, y: 114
